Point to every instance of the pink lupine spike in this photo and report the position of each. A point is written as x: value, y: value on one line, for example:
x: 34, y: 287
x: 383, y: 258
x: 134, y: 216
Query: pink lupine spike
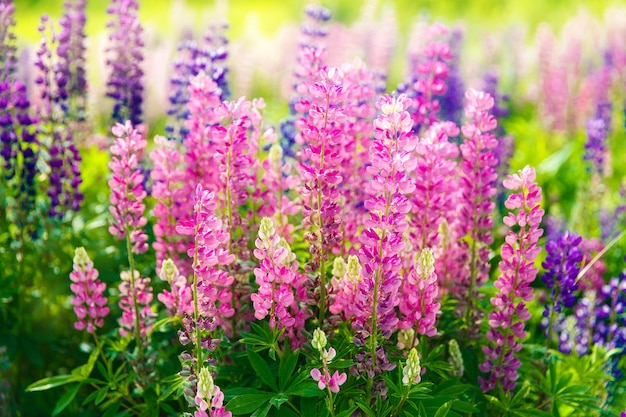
x: 127, y: 189
x: 517, y: 272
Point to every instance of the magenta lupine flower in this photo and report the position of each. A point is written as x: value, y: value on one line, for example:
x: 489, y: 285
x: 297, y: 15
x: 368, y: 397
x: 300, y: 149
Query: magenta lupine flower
x: 321, y: 135
x: 323, y: 377
x: 517, y: 272
x: 477, y: 189
x: 359, y: 107
x: 388, y: 206
x: 420, y: 292
x: 435, y: 185
x: 168, y: 176
x: 278, y: 279
x: 209, y: 252
x: 429, y: 70
x: 277, y: 179
x: 127, y: 189
x: 178, y: 300
x: 90, y: 305
x: 135, y: 296
x: 209, y: 398
x: 344, y: 287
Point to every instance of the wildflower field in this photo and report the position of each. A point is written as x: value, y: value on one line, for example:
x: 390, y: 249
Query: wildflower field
x: 350, y: 209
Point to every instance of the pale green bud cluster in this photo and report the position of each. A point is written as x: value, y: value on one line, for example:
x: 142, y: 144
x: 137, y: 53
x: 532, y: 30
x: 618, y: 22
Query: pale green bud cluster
x: 456, y: 359
x: 169, y: 271
x: 425, y: 263
x: 339, y: 268
x: 412, y: 371
x: 319, y: 339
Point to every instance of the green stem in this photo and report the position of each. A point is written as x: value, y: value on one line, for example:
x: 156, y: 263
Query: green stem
x: 131, y: 265
x: 401, y: 403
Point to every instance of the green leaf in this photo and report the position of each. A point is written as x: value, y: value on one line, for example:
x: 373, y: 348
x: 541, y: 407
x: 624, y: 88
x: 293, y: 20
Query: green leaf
x: 262, y: 412
x: 286, y: 367
x: 305, y: 389
x: 464, y: 407
x: 112, y: 411
x: 65, y: 400
x: 308, y: 407
x: 346, y: 413
x: 51, y: 382
x: 531, y: 413
x: 262, y: 369
x: 278, y: 400
x: 247, y: 403
x: 102, y: 393
x: 444, y: 409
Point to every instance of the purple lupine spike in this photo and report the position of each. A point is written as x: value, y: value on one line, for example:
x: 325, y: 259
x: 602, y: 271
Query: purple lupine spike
x: 124, y: 58
x: 562, y: 265
x: 193, y: 58
x: 517, y: 272
x: 71, y: 59
x: 597, y: 129
x: 8, y: 49
x: 452, y: 100
x: 19, y: 149
x: 53, y: 74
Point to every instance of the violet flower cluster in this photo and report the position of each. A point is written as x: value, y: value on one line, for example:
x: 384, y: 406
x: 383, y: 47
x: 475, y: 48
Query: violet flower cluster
x: 193, y: 58
x: 562, y: 265
x: 597, y: 132
x: 71, y: 53
x: 90, y: 304
x: 19, y: 149
x: 517, y: 272
x: 124, y: 57
x: 127, y: 189
x: 54, y: 73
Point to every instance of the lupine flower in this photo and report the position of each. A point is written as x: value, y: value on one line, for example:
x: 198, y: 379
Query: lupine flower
x: 435, y: 185
x: 209, y: 252
x: 323, y: 377
x: 277, y: 178
x: 168, y: 189
x: 419, y: 294
x: 19, y: 149
x: 127, y: 190
x: 178, y: 300
x: 345, y: 287
x: 322, y: 138
x: 412, y: 371
x: 7, y: 41
x: 562, y: 265
x: 476, y: 192
x: 429, y: 74
x: 517, y: 272
x: 124, y: 57
x: 135, y: 299
x: 209, y: 398
x: 610, y: 327
x: 193, y: 58
x: 90, y: 305
x: 54, y: 74
x: 388, y: 206
x: 278, y: 279
x: 595, y: 147
x: 71, y: 52
x: 451, y: 103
